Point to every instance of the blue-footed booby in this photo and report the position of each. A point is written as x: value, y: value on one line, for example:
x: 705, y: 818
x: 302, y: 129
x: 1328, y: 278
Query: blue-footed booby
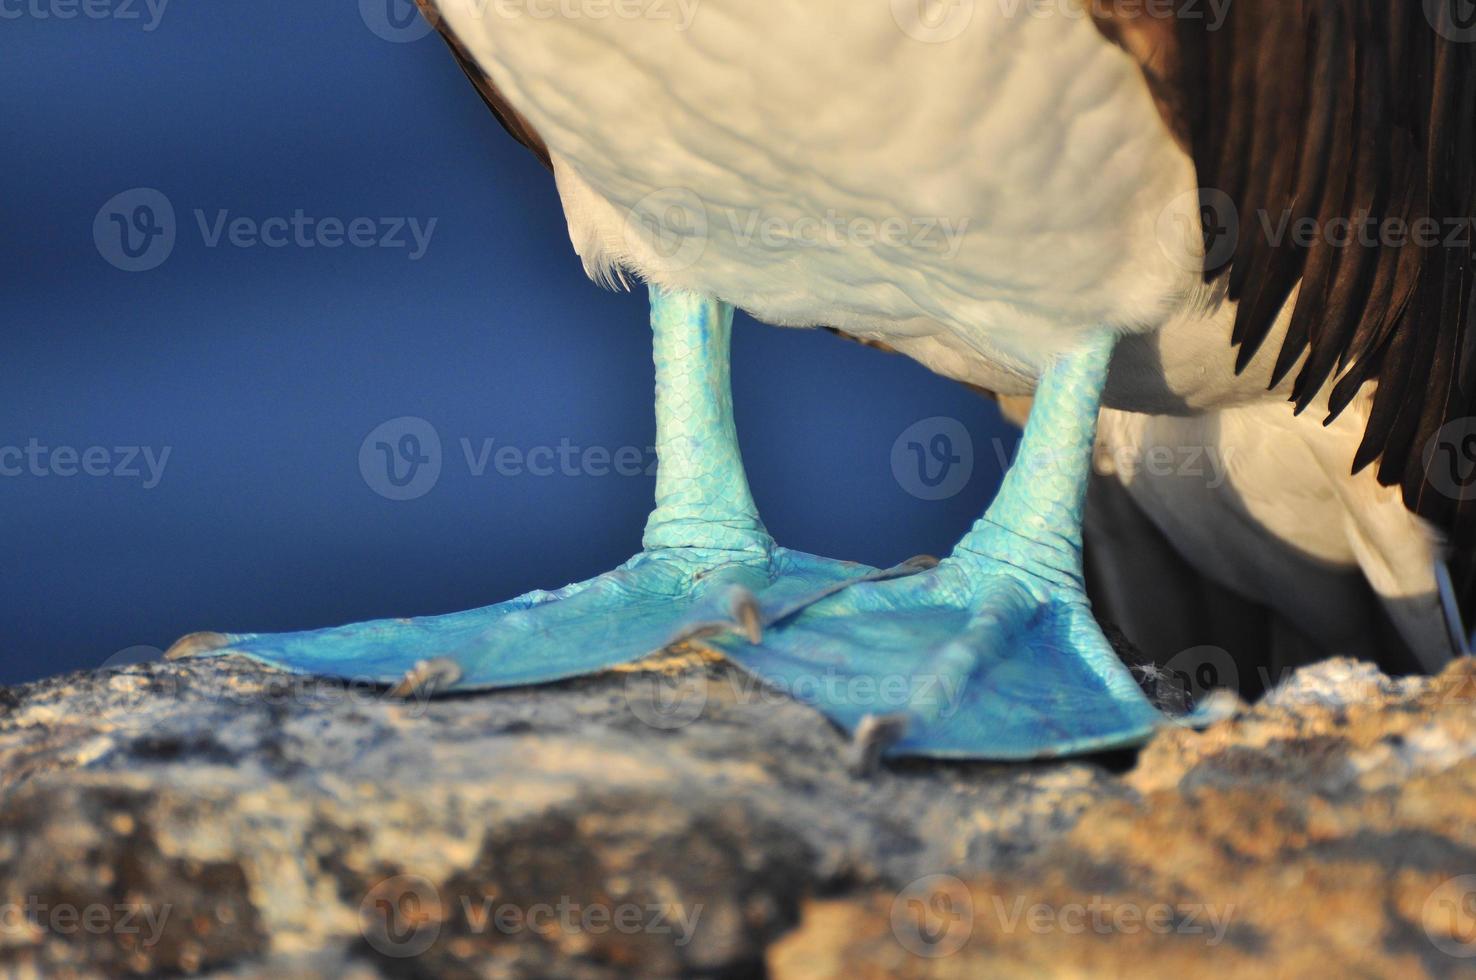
x: 1195, y: 219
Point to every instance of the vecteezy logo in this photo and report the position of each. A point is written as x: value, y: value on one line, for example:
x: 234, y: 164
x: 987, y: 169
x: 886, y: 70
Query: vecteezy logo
x: 1450, y: 459
x: 1454, y: 20
x: 933, y: 459
x: 401, y: 916
x: 401, y: 459
x: 130, y: 656
x: 1199, y: 229
x: 933, y: 916
x: 933, y: 21
x: 1200, y: 670
x: 394, y: 20
x: 671, y: 225
x: 665, y: 701
x: 135, y: 230
x: 1449, y: 917
x: 162, y: 684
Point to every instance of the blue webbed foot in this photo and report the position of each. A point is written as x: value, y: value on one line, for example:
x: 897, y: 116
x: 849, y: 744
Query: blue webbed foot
x: 972, y: 659
x: 708, y: 565
x: 658, y: 598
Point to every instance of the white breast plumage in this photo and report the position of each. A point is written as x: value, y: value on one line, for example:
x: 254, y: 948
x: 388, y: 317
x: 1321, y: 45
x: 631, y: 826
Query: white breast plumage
x: 975, y: 202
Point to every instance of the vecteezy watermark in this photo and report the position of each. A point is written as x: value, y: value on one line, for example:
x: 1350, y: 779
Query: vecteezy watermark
x: 933, y: 916
x: 673, y: 227
x: 833, y: 230
x: 933, y: 21
x: 670, y: 701
x: 403, y: 459
x: 401, y: 916
x: 404, y: 915
x: 567, y: 916
x: 666, y: 701
x: 1202, y: 669
x: 147, y: 13
x: 1105, y: 916
x: 565, y: 459
x: 137, y: 230
x: 1449, y: 917
x: 1450, y: 459
x: 671, y: 224
x: 1199, y: 229
x: 32, y: 919
x: 35, y: 459
x: 131, y: 656
x: 933, y: 459
x: 301, y: 230
x: 1454, y: 20
x: 398, y: 21
x: 1210, y: 466
x: 1365, y: 230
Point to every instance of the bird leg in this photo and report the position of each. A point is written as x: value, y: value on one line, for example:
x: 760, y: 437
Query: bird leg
x: 708, y: 566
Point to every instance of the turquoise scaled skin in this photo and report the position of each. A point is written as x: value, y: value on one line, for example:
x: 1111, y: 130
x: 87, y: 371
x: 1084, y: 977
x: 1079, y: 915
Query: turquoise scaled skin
x: 706, y: 557
x: 992, y: 654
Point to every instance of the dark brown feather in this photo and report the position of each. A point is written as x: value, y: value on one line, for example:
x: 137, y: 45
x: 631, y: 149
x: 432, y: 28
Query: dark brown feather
x: 1337, y: 109
x: 510, y: 118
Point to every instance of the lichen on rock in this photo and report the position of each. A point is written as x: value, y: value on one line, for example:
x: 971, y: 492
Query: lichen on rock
x: 680, y: 818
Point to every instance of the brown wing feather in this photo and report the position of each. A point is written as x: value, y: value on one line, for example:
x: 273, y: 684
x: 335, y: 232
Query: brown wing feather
x: 511, y: 120
x: 1340, y: 109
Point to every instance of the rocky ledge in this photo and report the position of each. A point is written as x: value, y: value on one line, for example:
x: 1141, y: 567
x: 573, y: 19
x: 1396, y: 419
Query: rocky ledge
x: 215, y: 817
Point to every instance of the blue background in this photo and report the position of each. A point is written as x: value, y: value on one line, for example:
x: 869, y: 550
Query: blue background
x: 263, y: 370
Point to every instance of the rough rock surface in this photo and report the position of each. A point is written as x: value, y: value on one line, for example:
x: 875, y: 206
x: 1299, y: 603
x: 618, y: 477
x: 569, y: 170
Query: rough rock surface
x: 220, y: 818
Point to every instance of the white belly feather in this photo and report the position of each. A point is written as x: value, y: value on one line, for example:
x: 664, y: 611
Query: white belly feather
x: 977, y: 203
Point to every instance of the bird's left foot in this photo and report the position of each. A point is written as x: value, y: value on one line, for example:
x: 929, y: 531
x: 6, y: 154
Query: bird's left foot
x: 976, y: 658
x: 661, y: 597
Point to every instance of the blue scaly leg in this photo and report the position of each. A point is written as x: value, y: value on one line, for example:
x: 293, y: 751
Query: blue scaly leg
x: 994, y: 653
x: 708, y: 564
